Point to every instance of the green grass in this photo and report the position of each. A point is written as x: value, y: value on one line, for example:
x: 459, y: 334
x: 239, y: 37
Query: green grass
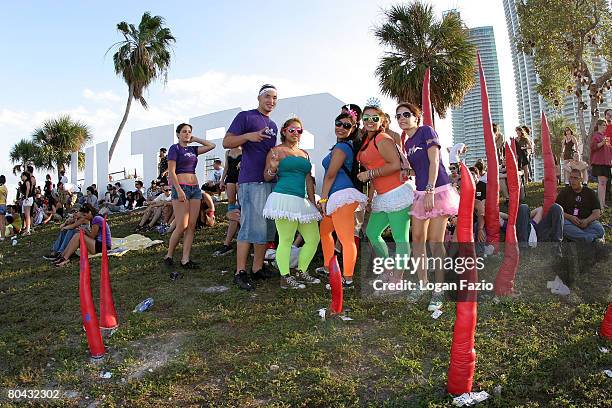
x: 269, y: 347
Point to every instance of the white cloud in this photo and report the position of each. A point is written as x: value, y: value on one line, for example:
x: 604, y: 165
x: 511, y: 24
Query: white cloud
x: 103, y: 96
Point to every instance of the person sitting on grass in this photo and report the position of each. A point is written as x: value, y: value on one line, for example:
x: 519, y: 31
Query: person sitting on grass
x: 67, y: 231
x: 207, y: 212
x: 213, y: 185
x: 582, y: 210
x: 14, y: 223
x: 154, y: 210
x: 93, y: 237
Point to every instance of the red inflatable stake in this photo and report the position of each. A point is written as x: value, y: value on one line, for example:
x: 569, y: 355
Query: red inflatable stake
x: 463, y: 354
x: 88, y: 311
x: 335, y: 281
x: 108, y: 314
x: 492, y: 199
x: 426, y: 100
x: 550, y: 176
x: 504, y: 282
x: 605, y: 330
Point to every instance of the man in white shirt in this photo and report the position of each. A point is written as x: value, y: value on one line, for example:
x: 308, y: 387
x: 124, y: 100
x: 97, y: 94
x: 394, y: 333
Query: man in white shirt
x: 213, y: 184
x: 155, y: 209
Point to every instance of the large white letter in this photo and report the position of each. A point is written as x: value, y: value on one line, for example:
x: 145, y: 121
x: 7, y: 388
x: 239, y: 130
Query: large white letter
x: 74, y: 167
x: 90, y: 164
x: 148, y: 142
x: 102, y: 165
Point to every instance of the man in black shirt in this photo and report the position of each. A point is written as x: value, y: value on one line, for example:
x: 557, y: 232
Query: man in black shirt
x: 162, y: 166
x: 581, y: 211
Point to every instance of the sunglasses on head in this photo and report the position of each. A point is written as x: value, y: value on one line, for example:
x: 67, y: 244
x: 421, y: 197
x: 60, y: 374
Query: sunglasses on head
x: 374, y: 118
x: 345, y: 125
x: 295, y: 130
x: 404, y: 115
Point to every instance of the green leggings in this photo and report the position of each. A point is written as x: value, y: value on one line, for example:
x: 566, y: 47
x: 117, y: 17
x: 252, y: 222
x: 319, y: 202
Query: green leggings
x: 286, y: 234
x: 400, y: 225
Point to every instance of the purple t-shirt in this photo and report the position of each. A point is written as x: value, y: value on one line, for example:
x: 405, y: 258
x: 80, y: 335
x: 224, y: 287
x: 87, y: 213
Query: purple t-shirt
x: 186, y: 158
x: 416, y: 150
x: 97, y: 220
x: 253, y: 153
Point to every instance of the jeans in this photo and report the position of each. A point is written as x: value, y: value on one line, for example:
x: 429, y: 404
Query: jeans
x: 549, y: 229
x: 254, y: 228
x: 63, y: 239
x: 191, y: 192
x: 592, y: 232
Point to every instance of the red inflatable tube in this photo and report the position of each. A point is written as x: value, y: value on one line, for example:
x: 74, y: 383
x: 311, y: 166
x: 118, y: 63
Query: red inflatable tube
x: 108, y: 314
x: 335, y: 281
x: 463, y: 354
x: 550, y: 175
x: 88, y: 311
x: 605, y: 330
x: 492, y: 199
x: 504, y: 282
x: 426, y: 100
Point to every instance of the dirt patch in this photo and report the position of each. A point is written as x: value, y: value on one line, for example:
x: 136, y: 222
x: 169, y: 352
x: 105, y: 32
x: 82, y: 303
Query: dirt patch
x: 155, y: 352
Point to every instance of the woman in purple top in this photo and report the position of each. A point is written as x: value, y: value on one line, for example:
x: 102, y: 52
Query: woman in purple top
x: 435, y: 199
x: 186, y: 193
x: 93, y: 237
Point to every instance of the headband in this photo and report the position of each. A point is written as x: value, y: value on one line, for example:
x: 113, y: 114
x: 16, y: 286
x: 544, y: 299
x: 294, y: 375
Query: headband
x: 266, y: 88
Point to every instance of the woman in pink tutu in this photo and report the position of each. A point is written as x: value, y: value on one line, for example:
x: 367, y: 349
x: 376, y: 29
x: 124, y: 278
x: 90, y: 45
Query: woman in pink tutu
x: 435, y: 199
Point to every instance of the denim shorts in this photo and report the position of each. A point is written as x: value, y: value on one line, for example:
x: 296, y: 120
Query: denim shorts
x: 191, y: 192
x: 254, y: 228
x: 2, y: 209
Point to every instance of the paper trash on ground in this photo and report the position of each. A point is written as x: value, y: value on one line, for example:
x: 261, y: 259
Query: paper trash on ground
x: 469, y: 399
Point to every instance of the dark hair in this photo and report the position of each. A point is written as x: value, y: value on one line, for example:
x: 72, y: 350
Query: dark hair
x: 286, y: 125
x: 344, y: 115
x: 90, y: 189
x: 163, y: 149
x: 88, y: 208
x: 138, y: 182
x: 217, y: 161
x: 181, y: 126
x: 607, y: 110
x: 526, y: 129
x: 473, y: 169
x: 2, y: 179
x: 415, y: 110
x: 27, y: 175
x: 264, y: 86
x: 480, y: 166
x: 62, y: 172
x: 30, y: 169
x: 355, y: 108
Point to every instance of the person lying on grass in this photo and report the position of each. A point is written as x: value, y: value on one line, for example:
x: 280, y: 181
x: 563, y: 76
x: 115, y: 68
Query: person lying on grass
x: 93, y: 237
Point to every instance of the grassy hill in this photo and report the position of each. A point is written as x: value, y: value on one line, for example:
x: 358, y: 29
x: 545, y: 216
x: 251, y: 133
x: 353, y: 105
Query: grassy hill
x: 270, y: 348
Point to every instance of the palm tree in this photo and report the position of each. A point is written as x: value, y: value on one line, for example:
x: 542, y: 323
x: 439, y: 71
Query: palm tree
x: 143, y: 56
x: 57, y: 139
x: 417, y: 40
x: 23, y: 153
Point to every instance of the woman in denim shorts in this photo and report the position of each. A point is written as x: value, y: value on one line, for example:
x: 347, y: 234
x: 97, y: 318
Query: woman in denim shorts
x: 186, y: 193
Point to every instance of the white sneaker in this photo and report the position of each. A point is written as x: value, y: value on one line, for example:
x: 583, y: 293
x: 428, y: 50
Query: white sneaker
x: 306, y: 277
x: 437, y: 299
x: 289, y: 282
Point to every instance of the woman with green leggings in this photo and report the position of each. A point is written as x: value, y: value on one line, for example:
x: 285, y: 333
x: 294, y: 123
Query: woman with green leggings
x: 389, y: 198
x: 292, y: 204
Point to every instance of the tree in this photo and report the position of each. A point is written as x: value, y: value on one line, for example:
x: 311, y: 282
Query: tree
x: 51, y: 144
x: 142, y: 57
x: 417, y: 40
x: 563, y: 36
x: 22, y: 154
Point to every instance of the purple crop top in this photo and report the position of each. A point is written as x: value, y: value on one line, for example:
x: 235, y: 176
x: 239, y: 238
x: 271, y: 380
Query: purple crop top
x: 186, y: 158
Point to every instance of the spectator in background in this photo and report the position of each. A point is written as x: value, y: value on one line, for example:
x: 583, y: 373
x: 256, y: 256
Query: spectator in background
x: 62, y: 177
x: 67, y: 231
x: 90, y: 197
x: 154, y: 210
x: 576, y: 164
x: 14, y: 223
x: 140, y: 188
x: 568, y: 148
x: 3, y: 199
x: 601, y: 160
x: 162, y: 166
x: 500, y: 142
x: 27, y: 200
x: 48, y: 186
x: 581, y: 211
x: 229, y: 183
x: 213, y: 185
x: 524, y: 148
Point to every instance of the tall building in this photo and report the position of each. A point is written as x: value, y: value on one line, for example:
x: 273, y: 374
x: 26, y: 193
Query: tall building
x: 531, y: 104
x: 467, y: 118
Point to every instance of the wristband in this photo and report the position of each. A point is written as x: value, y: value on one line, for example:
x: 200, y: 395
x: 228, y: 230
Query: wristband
x: 210, y: 213
x: 323, y: 200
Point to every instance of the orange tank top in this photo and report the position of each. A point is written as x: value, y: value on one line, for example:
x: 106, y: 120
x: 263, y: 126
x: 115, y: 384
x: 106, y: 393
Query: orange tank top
x: 370, y: 158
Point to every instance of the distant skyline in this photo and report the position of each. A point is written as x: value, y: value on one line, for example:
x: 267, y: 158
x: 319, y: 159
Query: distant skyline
x: 224, y: 52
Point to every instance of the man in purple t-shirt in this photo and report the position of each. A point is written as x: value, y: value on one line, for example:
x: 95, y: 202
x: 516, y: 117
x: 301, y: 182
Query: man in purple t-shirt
x: 256, y: 133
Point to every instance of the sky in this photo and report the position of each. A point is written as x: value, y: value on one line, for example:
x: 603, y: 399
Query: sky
x: 57, y: 62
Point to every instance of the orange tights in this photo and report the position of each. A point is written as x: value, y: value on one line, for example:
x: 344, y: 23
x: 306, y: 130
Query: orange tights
x: 343, y: 222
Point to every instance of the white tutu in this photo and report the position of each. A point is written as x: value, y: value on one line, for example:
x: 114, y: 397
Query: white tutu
x: 343, y: 197
x: 397, y: 199
x: 289, y: 207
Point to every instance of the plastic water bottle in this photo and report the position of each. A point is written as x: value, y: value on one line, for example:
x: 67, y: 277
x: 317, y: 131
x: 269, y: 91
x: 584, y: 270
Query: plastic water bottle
x: 144, y: 305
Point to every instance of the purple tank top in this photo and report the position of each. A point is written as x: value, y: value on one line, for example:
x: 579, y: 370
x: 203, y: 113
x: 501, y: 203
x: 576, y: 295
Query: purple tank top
x: 186, y: 158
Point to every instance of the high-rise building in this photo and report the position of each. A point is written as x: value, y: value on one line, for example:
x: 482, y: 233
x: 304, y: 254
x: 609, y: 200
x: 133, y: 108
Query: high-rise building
x: 467, y: 118
x: 531, y: 104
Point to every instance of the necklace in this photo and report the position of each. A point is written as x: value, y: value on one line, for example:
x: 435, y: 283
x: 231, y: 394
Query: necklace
x: 265, y: 119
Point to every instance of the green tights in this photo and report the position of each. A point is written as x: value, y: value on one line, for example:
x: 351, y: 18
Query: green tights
x: 286, y: 234
x: 400, y: 227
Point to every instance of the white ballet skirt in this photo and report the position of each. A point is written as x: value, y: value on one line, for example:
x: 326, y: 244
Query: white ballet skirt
x: 289, y: 207
x: 394, y: 200
x: 343, y: 197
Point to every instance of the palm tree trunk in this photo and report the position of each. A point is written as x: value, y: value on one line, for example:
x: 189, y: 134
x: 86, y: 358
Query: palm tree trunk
x: 122, y: 124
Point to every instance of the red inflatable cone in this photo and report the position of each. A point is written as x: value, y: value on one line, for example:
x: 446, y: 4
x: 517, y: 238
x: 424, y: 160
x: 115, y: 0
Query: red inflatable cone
x: 550, y: 175
x: 504, y: 281
x: 108, y: 314
x: 492, y: 199
x: 426, y: 100
x: 88, y: 311
x: 335, y: 281
x: 463, y: 356
x: 605, y: 330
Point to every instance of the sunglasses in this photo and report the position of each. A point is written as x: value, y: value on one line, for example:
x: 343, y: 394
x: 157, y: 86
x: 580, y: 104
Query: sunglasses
x: 166, y: 189
x: 299, y: 131
x: 404, y: 115
x: 367, y: 118
x: 345, y: 125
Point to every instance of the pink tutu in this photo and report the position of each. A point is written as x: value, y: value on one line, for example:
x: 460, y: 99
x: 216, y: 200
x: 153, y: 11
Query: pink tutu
x: 446, y: 203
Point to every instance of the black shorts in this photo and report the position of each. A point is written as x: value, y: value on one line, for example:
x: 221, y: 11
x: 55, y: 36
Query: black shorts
x: 600, y: 170
x: 99, y: 247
